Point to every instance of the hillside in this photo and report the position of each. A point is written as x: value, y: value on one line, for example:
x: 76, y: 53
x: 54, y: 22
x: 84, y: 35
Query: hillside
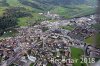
x: 25, y: 12
x: 51, y: 5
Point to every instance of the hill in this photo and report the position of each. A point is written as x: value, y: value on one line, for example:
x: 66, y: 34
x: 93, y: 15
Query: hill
x: 62, y: 7
x: 25, y: 12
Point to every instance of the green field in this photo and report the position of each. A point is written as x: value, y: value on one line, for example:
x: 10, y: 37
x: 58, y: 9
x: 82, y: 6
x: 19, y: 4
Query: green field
x: 25, y: 21
x: 2, y: 10
x: 76, y: 54
x: 16, y: 3
x: 67, y: 27
x: 92, y: 40
x: 32, y: 64
x: 73, y: 11
x: 89, y: 40
x: 97, y: 40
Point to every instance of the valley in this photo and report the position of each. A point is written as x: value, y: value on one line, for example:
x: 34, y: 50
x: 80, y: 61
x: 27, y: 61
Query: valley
x: 49, y: 33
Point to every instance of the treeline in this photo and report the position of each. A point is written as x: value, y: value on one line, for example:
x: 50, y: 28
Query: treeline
x: 3, y: 3
x: 17, y: 12
x: 9, y: 18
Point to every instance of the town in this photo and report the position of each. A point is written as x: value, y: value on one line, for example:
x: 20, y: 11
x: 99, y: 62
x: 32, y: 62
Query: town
x: 49, y: 43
